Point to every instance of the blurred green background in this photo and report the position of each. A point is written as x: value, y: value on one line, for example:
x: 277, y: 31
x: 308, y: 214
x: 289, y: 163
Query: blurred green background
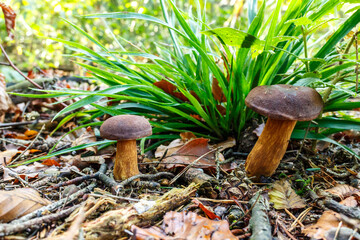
x: 38, y: 19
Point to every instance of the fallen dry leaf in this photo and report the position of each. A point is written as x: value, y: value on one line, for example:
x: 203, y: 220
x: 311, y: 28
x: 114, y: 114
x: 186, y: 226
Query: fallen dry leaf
x: 7, y: 156
x: 10, y: 16
x: 191, y: 151
x: 27, y: 135
x: 342, y: 190
x: 328, y: 220
x: 283, y: 196
x: 187, y: 136
x: 25, y: 171
x: 74, y: 229
x: 87, y: 137
x: 259, y: 129
x: 50, y: 162
x: 19, y: 202
x: 174, y: 145
x: 186, y: 225
x: 171, y: 89
x: 189, y: 148
x: 30, y: 134
x: 228, y: 143
x: 5, y: 101
x: 217, y: 91
x: 208, y: 212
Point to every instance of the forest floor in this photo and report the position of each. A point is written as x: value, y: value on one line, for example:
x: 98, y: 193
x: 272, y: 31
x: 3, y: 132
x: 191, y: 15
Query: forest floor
x: 188, y: 189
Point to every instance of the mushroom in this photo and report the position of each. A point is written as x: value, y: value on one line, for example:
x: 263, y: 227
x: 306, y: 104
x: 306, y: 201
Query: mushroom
x: 283, y: 105
x: 125, y: 129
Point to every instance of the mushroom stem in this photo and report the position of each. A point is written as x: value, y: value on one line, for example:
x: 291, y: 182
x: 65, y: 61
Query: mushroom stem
x: 270, y: 148
x: 125, y: 165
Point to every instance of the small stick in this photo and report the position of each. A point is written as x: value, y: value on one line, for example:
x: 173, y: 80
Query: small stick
x: 29, y: 146
x: 303, y: 141
x: 338, y: 230
x: 217, y: 165
x: 16, y: 69
x: 72, y: 181
x: 83, y: 178
x: 190, y: 165
x: 41, y: 182
x: 293, y: 217
x: 146, y: 176
x: 118, y: 186
x: 351, y: 212
x: 116, y: 197
x: 259, y: 221
x: 107, y: 180
x: 226, y: 201
x: 145, y: 184
x: 10, y: 228
x: 16, y: 124
x: 285, y: 230
x: 203, y: 164
x: 25, y: 183
x: 248, y: 211
x: 52, y: 207
x: 299, y: 219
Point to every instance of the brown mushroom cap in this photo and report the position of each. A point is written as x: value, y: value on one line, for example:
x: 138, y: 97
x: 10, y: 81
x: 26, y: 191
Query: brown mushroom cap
x: 285, y: 102
x: 125, y: 127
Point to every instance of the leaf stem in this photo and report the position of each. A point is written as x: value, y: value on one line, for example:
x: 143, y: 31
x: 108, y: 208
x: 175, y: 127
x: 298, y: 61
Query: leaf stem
x: 305, y: 49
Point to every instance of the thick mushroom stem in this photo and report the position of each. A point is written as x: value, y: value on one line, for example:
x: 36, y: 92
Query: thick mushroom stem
x: 270, y: 148
x: 126, y: 164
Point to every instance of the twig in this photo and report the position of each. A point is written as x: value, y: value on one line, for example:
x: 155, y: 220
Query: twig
x: 226, y: 201
x: 107, y: 180
x: 303, y: 141
x: 240, y: 154
x: 22, y: 86
x: 16, y: 124
x: 116, y: 197
x: 259, y: 221
x: 72, y: 181
x: 52, y: 207
x: 190, y: 165
x: 285, y: 230
x: 102, y: 170
x: 29, y: 146
x: 41, y: 182
x: 217, y: 165
x: 17, y: 142
x: 186, y: 164
x: 338, y: 230
x: 248, y: 211
x: 299, y: 219
x: 10, y: 228
x: 16, y: 69
x: 145, y: 184
x: 338, y: 175
x: 116, y: 187
x: 293, y: 217
x: 351, y: 212
x: 22, y: 181
x: 146, y: 176
x: 4, y: 63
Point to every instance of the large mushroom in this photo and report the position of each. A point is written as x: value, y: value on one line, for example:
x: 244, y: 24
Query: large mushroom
x: 283, y: 105
x: 125, y: 129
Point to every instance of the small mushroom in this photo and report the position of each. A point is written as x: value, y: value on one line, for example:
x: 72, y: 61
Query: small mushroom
x: 125, y: 129
x: 283, y: 105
